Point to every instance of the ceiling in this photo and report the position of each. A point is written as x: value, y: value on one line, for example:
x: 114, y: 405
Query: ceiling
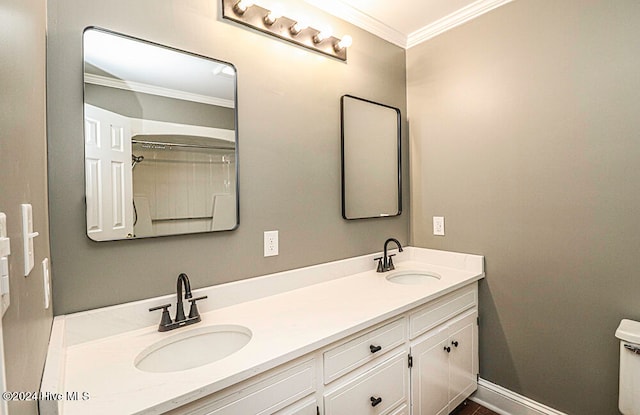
x: 122, y: 62
x: 407, y: 22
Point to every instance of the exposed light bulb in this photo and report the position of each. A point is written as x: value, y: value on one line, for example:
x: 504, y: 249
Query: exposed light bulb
x: 345, y: 42
x: 298, y: 27
x: 322, y: 35
x: 272, y: 16
x: 242, y: 6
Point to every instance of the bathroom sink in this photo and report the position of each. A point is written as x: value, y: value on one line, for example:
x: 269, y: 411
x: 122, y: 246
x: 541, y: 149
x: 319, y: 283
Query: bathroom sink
x: 193, y: 348
x: 412, y: 277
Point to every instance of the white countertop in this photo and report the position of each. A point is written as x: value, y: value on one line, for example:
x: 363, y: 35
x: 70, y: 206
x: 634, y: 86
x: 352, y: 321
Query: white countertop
x: 284, y: 326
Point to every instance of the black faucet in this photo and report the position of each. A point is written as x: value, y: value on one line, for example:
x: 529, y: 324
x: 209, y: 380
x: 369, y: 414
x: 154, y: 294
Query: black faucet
x: 385, y: 263
x: 183, y: 280
x: 166, y: 323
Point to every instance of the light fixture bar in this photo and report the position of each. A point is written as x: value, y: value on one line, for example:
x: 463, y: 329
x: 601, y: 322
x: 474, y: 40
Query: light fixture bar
x: 282, y: 27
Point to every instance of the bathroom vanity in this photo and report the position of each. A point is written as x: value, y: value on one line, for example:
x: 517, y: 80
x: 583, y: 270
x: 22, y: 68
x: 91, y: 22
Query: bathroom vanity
x: 333, y: 339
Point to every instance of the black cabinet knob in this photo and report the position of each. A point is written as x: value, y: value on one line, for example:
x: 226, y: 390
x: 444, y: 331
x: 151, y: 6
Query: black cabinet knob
x: 455, y: 343
x: 375, y: 401
x: 447, y: 349
x: 375, y: 349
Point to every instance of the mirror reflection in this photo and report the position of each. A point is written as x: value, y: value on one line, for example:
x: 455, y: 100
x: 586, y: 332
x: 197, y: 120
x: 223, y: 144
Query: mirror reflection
x: 160, y: 140
x: 371, y: 159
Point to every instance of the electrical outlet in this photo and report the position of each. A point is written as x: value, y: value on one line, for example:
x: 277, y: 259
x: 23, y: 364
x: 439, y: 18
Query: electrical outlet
x: 270, y: 243
x: 438, y: 225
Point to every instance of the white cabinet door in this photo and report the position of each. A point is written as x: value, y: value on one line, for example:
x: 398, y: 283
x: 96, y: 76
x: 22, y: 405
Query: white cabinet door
x: 445, y: 366
x: 430, y: 374
x: 108, y: 176
x: 463, y: 359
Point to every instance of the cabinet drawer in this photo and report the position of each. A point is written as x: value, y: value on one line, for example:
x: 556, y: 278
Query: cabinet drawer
x: 352, y: 354
x: 308, y: 406
x: 263, y: 396
x: 375, y: 392
x: 442, y: 309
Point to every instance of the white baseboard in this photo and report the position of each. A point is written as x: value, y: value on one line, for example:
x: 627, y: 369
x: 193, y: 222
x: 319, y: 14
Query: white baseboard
x: 506, y: 402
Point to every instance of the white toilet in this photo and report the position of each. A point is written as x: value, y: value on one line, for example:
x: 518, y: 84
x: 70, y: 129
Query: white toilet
x: 629, y: 397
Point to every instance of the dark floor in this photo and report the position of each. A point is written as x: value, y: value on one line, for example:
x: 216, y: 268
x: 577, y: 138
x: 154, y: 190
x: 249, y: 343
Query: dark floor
x: 471, y: 408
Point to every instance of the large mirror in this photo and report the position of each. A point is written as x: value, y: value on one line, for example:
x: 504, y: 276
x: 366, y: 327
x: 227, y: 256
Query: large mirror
x: 161, y: 148
x: 371, y: 159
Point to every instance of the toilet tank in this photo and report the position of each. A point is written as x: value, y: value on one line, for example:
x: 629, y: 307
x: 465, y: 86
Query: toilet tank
x: 629, y: 396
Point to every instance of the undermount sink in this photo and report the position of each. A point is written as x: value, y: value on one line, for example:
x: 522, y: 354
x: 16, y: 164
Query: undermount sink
x: 412, y: 277
x: 193, y: 348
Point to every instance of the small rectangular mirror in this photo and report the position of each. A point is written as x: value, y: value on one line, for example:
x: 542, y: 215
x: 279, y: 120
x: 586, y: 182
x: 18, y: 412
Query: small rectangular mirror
x: 371, y: 159
x: 160, y: 140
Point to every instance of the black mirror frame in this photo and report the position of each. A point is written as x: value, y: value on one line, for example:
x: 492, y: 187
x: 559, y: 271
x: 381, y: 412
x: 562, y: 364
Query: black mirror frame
x: 342, y: 162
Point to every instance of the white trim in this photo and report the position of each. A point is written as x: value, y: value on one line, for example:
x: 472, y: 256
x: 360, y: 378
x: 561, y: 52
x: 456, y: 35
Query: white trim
x: 156, y: 90
x: 506, y: 402
x: 455, y: 19
x: 344, y: 11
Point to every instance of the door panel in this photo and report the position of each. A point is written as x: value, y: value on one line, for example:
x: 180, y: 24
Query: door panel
x: 108, y: 180
x: 462, y: 360
x: 430, y: 374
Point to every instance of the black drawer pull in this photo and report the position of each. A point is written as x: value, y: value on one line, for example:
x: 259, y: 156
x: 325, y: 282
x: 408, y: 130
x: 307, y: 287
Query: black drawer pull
x: 447, y: 349
x: 375, y: 401
x: 455, y: 343
x: 634, y: 349
x: 375, y: 349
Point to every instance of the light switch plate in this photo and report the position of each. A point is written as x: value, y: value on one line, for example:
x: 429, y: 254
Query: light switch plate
x: 5, y: 299
x: 3, y: 225
x: 5, y: 251
x: 28, y: 234
x: 47, y: 283
x: 5, y: 246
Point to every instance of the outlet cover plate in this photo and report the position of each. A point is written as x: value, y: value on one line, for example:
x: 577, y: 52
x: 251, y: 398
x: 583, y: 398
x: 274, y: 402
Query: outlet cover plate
x: 270, y: 243
x: 438, y: 225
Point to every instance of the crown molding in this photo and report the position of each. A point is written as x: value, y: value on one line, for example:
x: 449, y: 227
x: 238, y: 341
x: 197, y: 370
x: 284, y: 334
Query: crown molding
x: 344, y: 11
x: 156, y: 90
x: 455, y: 19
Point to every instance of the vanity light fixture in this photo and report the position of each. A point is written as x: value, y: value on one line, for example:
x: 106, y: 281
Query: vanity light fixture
x: 272, y: 22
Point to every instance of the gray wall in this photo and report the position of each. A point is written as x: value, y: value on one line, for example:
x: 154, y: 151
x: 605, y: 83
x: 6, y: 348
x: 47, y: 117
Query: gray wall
x: 525, y: 135
x: 23, y: 179
x: 289, y: 126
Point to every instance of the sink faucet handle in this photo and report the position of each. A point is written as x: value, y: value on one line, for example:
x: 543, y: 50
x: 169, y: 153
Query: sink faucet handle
x: 166, y: 318
x: 193, y: 311
x: 380, y: 266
